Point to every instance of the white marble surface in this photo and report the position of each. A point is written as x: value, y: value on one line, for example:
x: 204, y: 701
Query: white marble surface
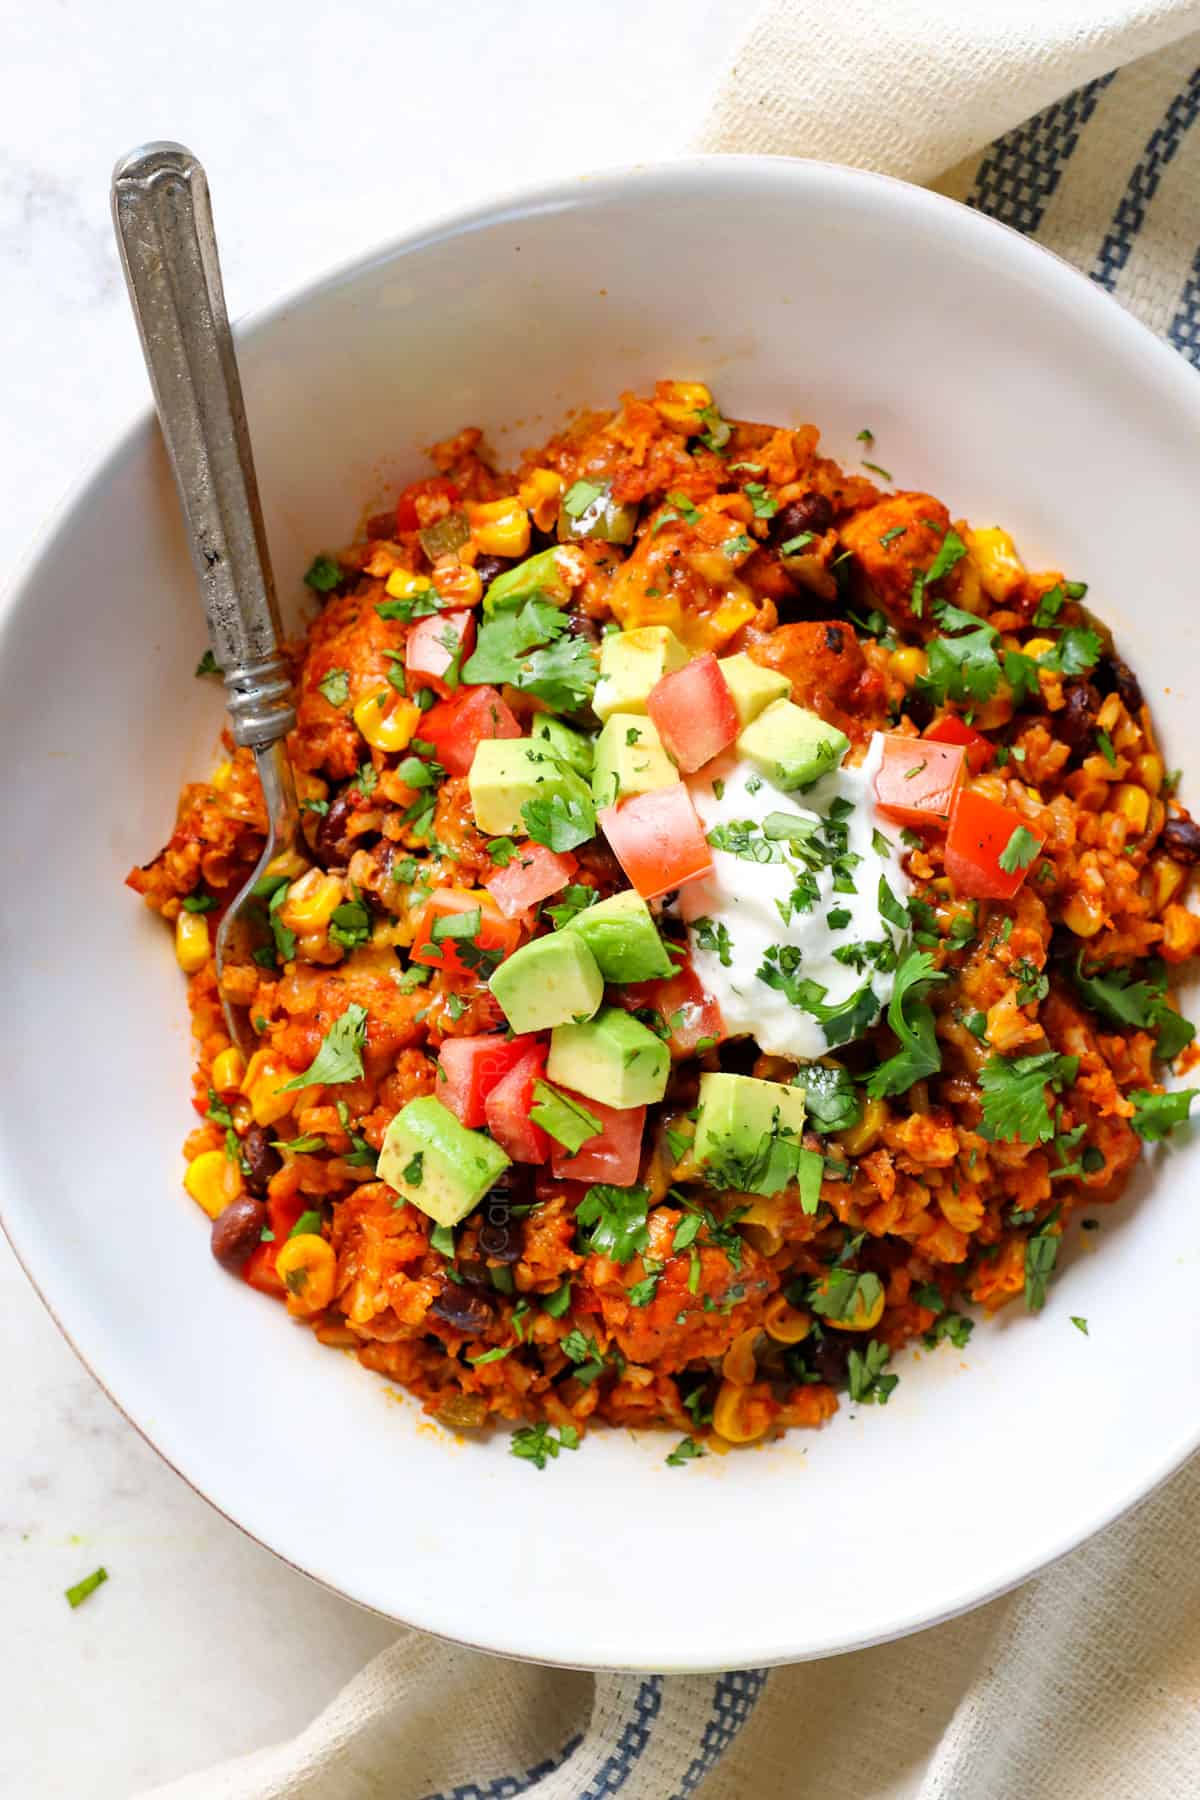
x: 324, y: 129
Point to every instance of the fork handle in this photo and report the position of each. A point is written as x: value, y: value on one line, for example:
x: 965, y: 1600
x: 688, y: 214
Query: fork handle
x: 164, y: 227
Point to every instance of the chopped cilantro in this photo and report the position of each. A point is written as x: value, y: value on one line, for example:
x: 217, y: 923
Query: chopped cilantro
x: 526, y: 649
x: 207, y: 665
x: 336, y: 687
x: 794, y: 545
x: 568, y: 1122
x: 1019, y: 851
x: 713, y: 936
x: 685, y: 1451
x: 1079, y: 1324
x: 340, y: 1055
x: 323, y: 574
x: 868, y: 1384
x: 1156, y: 1116
x: 876, y: 470
x: 559, y: 821
x: 78, y: 1594
x: 537, y: 1443
x: 1041, y: 1254
x: 761, y: 501
x: 1014, y: 1095
x: 951, y: 551
x: 617, y: 1217
x: 918, y: 1055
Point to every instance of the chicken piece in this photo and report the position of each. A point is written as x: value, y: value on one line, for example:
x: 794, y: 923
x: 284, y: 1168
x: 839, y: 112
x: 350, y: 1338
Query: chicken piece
x: 892, y: 543
x: 828, y: 672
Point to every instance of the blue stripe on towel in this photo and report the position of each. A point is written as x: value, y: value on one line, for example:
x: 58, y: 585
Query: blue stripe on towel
x: 1130, y: 215
x: 735, y: 1696
x: 1017, y: 176
x: 1184, y: 329
x: 505, y: 1787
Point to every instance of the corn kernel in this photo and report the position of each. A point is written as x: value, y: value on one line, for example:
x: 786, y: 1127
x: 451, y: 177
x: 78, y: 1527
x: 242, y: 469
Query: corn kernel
x: 785, y: 1323
x: 500, y: 527
x: 213, y: 1180
x: 191, y: 942
x: 1167, y: 880
x: 402, y: 584
x: 289, y: 862
x: 1083, y: 915
x: 994, y: 712
x: 863, y: 1317
x: 457, y: 583
x: 1150, y: 772
x: 228, y: 1070
x: 730, y: 1416
x: 729, y: 618
x: 261, y: 1084
x: 1181, y: 933
x: 222, y: 776
x: 908, y: 664
x: 994, y: 554
x: 739, y: 1365
x: 1133, y: 803
x: 307, y: 1267
x: 312, y: 901
x: 857, y: 1139
x: 386, y: 729
x: 681, y: 402
x: 539, y: 494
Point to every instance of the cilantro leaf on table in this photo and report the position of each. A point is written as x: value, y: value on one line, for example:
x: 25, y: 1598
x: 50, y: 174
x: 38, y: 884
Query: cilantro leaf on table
x: 1041, y: 1254
x: 340, y: 1055
x: 912, y: 1021
x: 537, y: 1443
x: 323, y: 575
x: 1014, y: 1095
x: 685, y: 1451
x: 617, y: 1217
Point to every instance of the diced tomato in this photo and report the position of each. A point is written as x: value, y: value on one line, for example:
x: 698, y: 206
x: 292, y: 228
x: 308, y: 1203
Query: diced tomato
x: 436, y: 649
x: 457, y: 727
x: 259, y: 1270
x: 917, y: 779
x: 980, y: 832
x: 691, y: 1015
x: 950, y: 729
x: 507, y: 1109
x: 658, y: 839
x: 614, y: 1154
x: 472, y: 1067
x: 533, y: 873
x: 494, y: 931
x: 283, y: 1212
x: 408, y: 518
x: 694, y: 712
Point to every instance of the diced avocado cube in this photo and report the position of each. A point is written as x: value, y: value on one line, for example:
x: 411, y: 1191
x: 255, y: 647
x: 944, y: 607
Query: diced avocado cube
x: 748, y: 1133
x: 623, y: 938
x: 506, y: 773
x: 631, y: 664
x: 630, y: 759
x: 792, y: 747
x: 549, y: 575
x: 548, y: 982
x: 612, y: 1058
x: 437, y: 1164
x: 570, y: 747
x: 752, y: 686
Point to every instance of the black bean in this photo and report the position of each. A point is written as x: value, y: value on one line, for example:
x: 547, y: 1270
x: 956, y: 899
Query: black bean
x: 463, y: 1308
x: 830, y: 1359
x: 1181, y: 838
x: 1075, y: 722
x: 259, y: 1160
x: 331, y: 846
x: 738, y: 1056
x: 580, y: 626
x: 1114, y: 676
x: 488, y: 567
x: 237, y: 1230
x: 812, y: 512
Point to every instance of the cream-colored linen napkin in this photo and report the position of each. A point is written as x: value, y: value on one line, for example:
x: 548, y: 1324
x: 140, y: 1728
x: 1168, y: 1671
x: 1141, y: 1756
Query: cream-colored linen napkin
x: 1085, y: 1684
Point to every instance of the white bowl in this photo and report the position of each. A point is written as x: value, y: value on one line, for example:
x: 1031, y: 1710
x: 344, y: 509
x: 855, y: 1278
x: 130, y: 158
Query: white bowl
x: 989, y: 373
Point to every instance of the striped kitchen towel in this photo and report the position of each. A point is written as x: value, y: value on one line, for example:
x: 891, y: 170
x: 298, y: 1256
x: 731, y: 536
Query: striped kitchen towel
x: 1083, y: 1685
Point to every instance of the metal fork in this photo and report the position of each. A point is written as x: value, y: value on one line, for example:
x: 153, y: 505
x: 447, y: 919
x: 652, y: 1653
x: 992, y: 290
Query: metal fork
x: 163, y: 221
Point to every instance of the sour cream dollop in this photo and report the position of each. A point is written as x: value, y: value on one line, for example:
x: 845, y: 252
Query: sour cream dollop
x: 786, y: 916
